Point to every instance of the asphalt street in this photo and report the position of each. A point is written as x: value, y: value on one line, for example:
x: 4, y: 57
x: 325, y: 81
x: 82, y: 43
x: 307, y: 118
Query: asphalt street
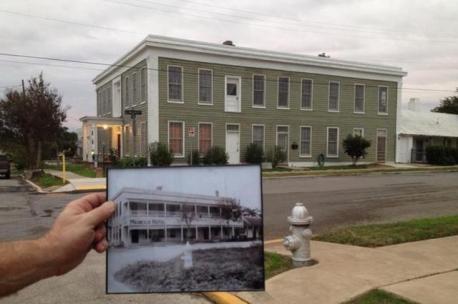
x: 332, y: 201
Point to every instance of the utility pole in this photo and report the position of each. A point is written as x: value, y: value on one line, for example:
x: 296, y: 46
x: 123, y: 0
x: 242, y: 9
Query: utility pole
x: 23, y: 88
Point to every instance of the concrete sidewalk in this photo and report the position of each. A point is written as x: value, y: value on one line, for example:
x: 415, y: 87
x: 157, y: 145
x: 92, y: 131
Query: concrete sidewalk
x: 344, y: 272
x: 78, y: 183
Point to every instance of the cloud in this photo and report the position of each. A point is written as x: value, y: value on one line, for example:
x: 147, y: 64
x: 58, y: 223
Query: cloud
x: 420, y: 36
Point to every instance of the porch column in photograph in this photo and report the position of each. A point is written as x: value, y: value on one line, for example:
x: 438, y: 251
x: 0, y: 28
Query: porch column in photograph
x: 182, y: 233
x: 233, y: 231
x: 147, y: 223
x: 209, y: 233
x: 221, y: 232
x: 197, y: 233
x: 165, y: 232
x: 208, y: 211
x: 165, y: 210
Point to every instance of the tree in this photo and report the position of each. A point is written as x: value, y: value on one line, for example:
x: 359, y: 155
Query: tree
x: 30, y: 119
x: 254, y: 154
x: 355, y: 147
x: 188, y: 214
x: 160, y: 155
x: 448, y: 105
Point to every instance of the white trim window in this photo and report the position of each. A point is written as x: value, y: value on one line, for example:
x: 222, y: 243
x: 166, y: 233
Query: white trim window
x: 358, y: 132
x: 205, y: 137
x: 360, y: 92
x: 259, y: 94
x: 175, y: 83
x: 334, y: 96
x: 127, y: 93
x: 332, y: 142
x: 134, y: 88
x: 176, y: 138
x: 306, y: 94
x: 283, y: 92
x: 283, y: 137
x: 382, y: 100
x: 305, y: 148
x: 205, y: 86
x: 143, y: 80
x: 257, y: 135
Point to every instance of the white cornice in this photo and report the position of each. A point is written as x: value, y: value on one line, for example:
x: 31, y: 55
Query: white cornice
x: 168, y: 43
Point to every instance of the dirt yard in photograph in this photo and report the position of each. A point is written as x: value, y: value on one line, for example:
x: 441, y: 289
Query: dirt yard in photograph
x: 213, y: 269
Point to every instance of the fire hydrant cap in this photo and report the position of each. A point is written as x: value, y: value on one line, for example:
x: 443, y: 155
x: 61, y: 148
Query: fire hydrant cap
x: 300, y: 215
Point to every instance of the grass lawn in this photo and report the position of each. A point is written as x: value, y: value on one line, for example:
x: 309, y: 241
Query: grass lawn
x: 80, y: 169
x: 275, y: 263
x: 375, y: 235
x: 47, y: 180
x: 377, y: 296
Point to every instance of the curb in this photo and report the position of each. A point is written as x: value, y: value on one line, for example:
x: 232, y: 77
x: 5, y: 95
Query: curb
x: 223, y: 298
x: 35, y: 186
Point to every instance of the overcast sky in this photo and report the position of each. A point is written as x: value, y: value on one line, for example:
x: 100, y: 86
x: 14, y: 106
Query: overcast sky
x: 419, y: 36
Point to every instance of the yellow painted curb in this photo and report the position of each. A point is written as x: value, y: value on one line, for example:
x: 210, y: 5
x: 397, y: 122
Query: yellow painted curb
x: 273, y: 241
x: 223, y: 298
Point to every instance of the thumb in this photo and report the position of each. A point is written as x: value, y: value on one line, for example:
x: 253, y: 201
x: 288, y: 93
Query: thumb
x: 100, y: 214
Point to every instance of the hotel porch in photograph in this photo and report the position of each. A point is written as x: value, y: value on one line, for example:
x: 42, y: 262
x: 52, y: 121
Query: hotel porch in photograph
x: 147, y: 216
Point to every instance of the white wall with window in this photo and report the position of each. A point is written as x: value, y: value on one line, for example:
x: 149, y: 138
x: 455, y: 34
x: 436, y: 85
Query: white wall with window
x: 259, y: 86
x: 175, y: 83
x: 176, y: 138
x: 205, y: 86
x: 283, y: 92
x: 332, y: 142
x: 359, y: 98
x: 334, y: 96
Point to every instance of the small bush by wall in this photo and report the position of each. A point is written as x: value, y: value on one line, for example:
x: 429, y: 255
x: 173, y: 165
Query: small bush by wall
x: 443, y: 156
x: 196, y: 159
x: 160, y: 155
x: 276, y: 156
x: 132, y: 162
x: 215, y: 156
x: 254, y: 154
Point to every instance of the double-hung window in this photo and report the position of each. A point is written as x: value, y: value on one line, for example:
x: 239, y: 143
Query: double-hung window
x: 283, y: 92
x: 258, y: 135
x: 205, y: 137
x: 143, y: 85
x: 176, y: 138
x: 332, y: 142
x: 205, y: 86
x: 306, y: 98
x: 359, y: 98
x: 334, y: 96
x: 383, y: 100
x: 175, y: 83
x: 259, y: 82
x: 127, y: 94
x: 134, y: 88
x: 306, y: 141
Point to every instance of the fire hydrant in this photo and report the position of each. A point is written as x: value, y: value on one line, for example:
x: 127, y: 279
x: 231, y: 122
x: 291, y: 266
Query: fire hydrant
x: 299, y: 240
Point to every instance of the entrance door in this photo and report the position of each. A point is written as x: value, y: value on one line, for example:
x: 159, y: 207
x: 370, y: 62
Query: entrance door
x: 283, y: 139
x: 233, y: 143
x: 134, y: 236
x: 381, y: 145
x: 233, y: 94
x: 419, y: 150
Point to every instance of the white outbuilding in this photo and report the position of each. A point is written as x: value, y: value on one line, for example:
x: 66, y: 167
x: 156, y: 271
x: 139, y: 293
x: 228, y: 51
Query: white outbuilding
x: 417, y: 130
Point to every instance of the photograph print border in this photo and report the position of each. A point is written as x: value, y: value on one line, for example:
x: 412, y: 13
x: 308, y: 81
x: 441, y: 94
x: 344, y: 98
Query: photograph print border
x: 108, y: 170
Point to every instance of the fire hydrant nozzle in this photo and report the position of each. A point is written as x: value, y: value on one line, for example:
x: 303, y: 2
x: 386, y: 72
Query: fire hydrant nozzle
x: 299, y: 240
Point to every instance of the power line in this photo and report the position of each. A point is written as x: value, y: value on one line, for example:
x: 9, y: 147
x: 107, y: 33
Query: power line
x: 222, y: 75
x: 265, y: 24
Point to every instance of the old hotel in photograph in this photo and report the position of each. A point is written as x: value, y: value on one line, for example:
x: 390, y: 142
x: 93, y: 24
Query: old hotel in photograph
x: 146, y: 216
x: 232, y: 96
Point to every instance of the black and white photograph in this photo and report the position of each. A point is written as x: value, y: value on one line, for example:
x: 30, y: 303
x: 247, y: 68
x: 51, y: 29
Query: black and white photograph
x: 185, y: 229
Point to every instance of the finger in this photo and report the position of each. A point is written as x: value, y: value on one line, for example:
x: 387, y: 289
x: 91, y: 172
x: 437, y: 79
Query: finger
x: 90, y: 201
x: 101, y: 246
x: 100, y: 233
x: 100, y: 214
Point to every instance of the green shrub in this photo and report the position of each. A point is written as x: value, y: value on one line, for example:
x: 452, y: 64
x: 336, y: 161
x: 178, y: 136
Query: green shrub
x: 160, y: 155
x: 355, y: 147
x: 132, y: 162
x: 254, y: 154
x: 276, y: 155
x: 215, y: 156
x: 196, y: 160
x: 443, y: 156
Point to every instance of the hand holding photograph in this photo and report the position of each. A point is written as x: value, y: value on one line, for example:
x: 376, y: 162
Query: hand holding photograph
x: 185, y: 229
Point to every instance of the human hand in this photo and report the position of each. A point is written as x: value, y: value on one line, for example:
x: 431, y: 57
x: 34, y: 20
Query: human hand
x: 77, y: 229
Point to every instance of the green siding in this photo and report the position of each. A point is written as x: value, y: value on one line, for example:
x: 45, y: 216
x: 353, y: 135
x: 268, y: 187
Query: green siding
x: 137, y: 104
x: 319, y: 118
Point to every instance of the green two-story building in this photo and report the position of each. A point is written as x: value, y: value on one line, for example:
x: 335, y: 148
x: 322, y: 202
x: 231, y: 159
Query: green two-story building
x: 194, y: 95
